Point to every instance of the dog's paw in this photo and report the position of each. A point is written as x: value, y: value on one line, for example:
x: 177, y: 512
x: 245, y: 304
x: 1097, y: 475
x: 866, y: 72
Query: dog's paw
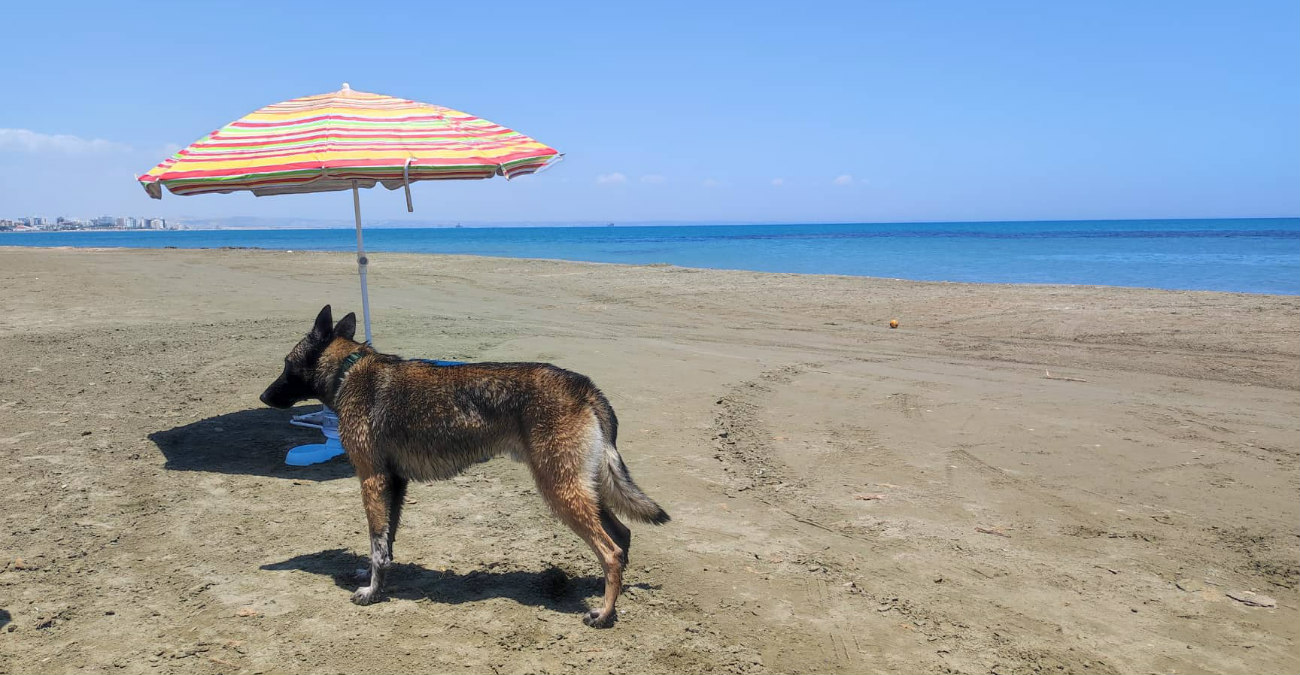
x: 365, y: 596
x: 596, y: 620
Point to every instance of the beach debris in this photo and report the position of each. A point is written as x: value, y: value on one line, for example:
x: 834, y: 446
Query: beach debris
x: 993, y: 531
x: 1252, y: 599
x: 893, y: 323
x: 869, y: 497
x: 248, y: 611
x: 1050, y: 376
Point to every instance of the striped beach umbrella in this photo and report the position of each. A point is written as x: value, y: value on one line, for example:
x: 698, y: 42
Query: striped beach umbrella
x: 344, y: 141
x: 347, y: 140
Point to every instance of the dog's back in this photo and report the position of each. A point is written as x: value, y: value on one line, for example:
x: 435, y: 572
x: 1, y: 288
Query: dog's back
x: 431, y: 422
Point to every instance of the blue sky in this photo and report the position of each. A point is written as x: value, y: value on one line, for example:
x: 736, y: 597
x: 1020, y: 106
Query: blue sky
x: 781, y: 112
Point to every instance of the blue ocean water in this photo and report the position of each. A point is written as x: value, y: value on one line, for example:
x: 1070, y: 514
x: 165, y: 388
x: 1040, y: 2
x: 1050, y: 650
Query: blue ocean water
x: 1246, y: 255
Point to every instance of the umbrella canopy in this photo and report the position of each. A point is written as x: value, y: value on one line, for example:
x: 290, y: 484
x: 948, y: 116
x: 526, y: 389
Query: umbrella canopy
x: 345, y: 139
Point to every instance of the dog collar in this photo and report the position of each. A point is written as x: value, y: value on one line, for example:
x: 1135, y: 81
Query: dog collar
x: 350, y: 361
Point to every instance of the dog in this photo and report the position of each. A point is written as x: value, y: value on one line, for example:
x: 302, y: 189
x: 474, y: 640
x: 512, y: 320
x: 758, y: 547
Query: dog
x: 403, y: 420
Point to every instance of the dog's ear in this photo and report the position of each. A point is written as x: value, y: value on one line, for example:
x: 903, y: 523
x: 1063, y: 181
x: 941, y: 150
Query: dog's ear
x: 347, y: 326
x: 324, y: 327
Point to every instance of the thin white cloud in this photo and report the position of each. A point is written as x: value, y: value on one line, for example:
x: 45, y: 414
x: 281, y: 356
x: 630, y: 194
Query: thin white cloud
x: 778, y: 182
x: 711, y: 183
x: 615, y: 178
x: 26, y: 140
x: 653, y: 179
x: 843, y: 179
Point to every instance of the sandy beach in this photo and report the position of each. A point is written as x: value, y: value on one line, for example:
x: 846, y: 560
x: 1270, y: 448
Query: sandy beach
x: 1018, y: 479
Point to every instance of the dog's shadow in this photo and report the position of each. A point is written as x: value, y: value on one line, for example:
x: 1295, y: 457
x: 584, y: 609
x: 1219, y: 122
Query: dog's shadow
x: 551, y: 588
x: 246, y: 442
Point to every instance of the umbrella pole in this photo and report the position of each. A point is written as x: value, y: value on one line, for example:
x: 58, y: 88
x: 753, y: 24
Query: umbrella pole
x: 362, y: 261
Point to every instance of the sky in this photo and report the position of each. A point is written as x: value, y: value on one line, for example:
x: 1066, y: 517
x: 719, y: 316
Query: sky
x: 690, y: 112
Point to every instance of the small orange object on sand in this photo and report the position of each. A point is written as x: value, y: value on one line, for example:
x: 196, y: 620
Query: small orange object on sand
x: 893, y: 323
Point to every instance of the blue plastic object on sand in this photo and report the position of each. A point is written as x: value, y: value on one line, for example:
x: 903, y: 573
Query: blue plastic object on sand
x: 328, y: 423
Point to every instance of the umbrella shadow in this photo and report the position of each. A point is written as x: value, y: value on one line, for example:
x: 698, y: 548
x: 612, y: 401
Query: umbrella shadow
x: 246, y: 442
x: 5, y: 617
x: 551, y: 588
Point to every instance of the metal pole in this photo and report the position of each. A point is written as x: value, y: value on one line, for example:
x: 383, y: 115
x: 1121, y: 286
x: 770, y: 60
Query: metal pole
x: 362, y: 262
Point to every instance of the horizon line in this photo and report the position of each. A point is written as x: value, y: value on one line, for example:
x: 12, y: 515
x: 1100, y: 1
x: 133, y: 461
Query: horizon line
x: 332, y: 223
x: 398, y: 224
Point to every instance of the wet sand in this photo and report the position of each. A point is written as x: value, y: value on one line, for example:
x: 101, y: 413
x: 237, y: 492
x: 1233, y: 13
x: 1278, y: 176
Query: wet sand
x: 1017, y: 479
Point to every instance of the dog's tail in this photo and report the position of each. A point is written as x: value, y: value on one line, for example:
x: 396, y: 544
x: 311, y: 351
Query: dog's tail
x: 620, y: 492
x: 613, y: 482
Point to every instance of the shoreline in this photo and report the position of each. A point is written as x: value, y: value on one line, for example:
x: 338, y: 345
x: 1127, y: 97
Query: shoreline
x: 370, y: 252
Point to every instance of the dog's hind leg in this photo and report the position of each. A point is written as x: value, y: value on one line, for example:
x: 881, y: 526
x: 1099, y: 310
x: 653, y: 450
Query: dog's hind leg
x: 565, y: 482
x: 377, y: 491
x: 584, y: 519
x: 616, y: 531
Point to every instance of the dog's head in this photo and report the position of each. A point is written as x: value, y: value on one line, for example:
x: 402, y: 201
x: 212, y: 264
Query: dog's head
x: 299, y: 380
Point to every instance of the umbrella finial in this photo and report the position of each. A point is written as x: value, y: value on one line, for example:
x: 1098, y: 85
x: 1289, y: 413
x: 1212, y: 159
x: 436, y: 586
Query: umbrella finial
x: 346, y: 87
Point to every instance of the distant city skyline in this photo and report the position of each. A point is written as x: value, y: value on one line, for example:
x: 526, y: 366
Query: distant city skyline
x: 82, y: 223
x: 678, y: 112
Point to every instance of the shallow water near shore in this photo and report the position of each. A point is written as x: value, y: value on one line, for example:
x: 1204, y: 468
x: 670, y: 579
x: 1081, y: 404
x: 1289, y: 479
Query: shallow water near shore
x: 1238, y: 255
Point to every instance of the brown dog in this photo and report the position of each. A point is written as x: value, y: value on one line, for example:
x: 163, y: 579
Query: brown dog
x: 402, y: 420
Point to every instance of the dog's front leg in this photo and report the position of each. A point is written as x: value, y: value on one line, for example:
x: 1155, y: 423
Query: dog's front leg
x: 375, y: 490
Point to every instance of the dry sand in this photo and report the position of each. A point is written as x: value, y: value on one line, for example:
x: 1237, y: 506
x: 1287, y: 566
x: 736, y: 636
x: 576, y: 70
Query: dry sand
x: 846, y: 497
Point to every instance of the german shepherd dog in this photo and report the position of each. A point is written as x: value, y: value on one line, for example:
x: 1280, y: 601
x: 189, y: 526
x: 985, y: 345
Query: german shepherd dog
x: 402, y: 420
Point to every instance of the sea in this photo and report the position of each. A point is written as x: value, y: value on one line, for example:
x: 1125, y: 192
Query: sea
x: 1258, y: 255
